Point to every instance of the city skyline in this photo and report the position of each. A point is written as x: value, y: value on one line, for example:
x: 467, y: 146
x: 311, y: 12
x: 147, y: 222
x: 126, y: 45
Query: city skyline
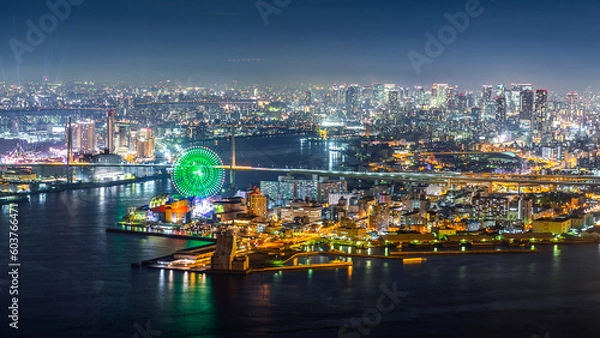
x: 299, y: 41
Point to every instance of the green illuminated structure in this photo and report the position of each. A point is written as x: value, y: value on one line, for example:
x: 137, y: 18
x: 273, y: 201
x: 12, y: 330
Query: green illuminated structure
x: 198, y: 172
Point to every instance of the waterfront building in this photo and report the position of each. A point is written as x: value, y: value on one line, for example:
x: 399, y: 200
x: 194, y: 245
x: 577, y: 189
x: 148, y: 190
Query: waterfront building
x: 169, y: 209
x: 110, y: 131
x: 257, y: 203
x: 225, y: 258
x: 307, y: 212
x: 145, y: 143
x: 349, y: 228
x: 556, y: 226
x: 85, y: 136
x: 229, y: 209
x: 490, y: 208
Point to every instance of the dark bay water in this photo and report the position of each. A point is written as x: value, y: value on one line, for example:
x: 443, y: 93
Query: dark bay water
x: 76, y: 281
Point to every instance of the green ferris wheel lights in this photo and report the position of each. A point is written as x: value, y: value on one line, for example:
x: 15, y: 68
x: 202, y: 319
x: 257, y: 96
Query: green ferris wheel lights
x: 198, y: 172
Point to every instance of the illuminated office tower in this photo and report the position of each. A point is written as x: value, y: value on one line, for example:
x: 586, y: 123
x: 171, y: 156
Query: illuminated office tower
x: 487, y: 100
x: 110, y: 132
x: 133, y: 141
x: 540, y: 114
x: 421, y: 95
x: 145, y: 143
x: 515, y: 97
x: 378, y: 93
x: 394, y: 101
x: 572, y: 101
x: 439, y: 93
x: 122, y: 131
x: 353, y: 98
x: 500, y: 110
x: 86, y: 137
x: 307, y: 98
x: 461, y: 101
x: 500, y: 90
x: 526, y: 104
x: 257, y: 204
x: 486, y: 95
x: 476, y: 116
x: 516, y: 94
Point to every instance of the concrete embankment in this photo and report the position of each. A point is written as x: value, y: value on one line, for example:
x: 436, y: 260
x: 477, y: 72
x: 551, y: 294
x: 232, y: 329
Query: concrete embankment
x: 160, y: 234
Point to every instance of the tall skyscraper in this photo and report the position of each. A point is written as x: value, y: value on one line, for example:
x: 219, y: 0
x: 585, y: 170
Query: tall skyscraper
x: 500, y: 90
x: 378, y: 93
x: 145, y: 143
x: 500, y: 110
x: 353, y: 98
x: 394, y: 101
x: 572, y: 101
x: 439, y: 93
x: 421, y: 95
x: 527, y: 103
x: 307, y: 98
x: 133, y: 141
x: 540, y: 118
x: 110, y: 132
x: 516, y: 91
x: 122, y: 135
x: 487, y: 100
x: 85, y: 136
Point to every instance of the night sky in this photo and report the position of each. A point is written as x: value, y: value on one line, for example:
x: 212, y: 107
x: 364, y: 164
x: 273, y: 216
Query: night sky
x: 554, y: 44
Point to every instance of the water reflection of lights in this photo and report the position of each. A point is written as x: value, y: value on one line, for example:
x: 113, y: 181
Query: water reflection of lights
x: 556, y: 252
x: 186, y: 282
x: 170, y: 280
x: 161, y: 278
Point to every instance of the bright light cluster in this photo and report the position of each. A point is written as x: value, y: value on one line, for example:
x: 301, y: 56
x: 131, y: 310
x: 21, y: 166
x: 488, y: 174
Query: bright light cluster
x: 198, y: 172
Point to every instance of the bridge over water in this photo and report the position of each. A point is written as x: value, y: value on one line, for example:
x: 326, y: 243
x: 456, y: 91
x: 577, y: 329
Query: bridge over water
x: 418, y: 177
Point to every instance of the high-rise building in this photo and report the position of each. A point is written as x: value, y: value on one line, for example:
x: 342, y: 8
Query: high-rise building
x: 421, y: 95
x: 476, y: 116
x: 439, y: 93
x: 133, y: 141
x: 353, y: 98
x: 257, y: 204
x: 487, y: 94
x: 122, y: 140
x: 572, y: 101
x: 110, y: 131
x: 526, y: 104
x: 501, y: 110
x: 487, y: 100
x: 145, y: 143
x: 516, y: 91
x: 394, y: 101
x: 540, y: 118
x: 307, y: 98
x: 85, y: 136
x: 378, y: 93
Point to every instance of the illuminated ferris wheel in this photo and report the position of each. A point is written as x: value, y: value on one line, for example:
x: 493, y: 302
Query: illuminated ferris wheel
x: 198, y: 172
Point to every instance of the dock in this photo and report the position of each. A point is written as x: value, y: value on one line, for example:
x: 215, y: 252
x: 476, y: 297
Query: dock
x: 178, y: 234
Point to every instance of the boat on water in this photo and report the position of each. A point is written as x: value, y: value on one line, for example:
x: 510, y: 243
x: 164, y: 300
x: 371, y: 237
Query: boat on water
x: 13, y: 199
x: 414, y: 260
